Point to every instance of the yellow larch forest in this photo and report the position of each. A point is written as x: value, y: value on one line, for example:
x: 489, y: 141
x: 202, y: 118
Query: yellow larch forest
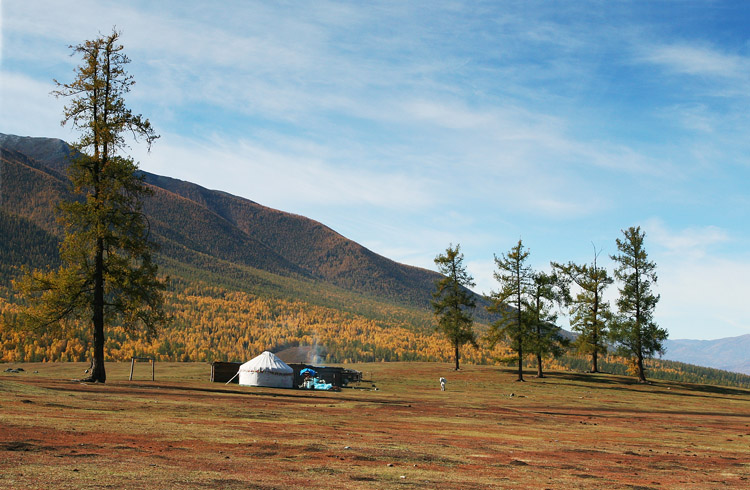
x: 212, y: 324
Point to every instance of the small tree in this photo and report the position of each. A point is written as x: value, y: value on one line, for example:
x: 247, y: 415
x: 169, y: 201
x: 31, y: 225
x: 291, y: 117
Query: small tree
x: 453, y: 302
x: 635, y: 329
x: 545, y: 290
x: 515, y: 279
x: 107, y: 272
x: 589, y: 311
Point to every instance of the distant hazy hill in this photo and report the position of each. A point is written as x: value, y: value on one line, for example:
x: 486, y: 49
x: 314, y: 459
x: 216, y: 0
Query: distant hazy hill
x: 729, y: 354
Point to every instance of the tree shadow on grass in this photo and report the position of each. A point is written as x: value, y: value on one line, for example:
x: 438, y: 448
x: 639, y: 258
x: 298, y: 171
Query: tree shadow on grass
x: 713, y: 389
x: 599, y: 378
x: 617, y: 381
x: 261, y: 392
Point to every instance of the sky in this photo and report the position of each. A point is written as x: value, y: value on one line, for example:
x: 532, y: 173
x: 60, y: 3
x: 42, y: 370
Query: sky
x: 408, y: 126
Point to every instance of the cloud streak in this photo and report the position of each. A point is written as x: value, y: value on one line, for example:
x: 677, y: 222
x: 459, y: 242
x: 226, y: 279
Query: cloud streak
x: 696, y: 60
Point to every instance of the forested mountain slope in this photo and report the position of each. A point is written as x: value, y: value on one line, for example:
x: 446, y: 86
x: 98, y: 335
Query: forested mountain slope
x: 313, y: 247
x: 188, y: 219
x: 24, y: 244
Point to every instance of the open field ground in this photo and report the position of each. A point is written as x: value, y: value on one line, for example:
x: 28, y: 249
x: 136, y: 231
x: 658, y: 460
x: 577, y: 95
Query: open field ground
x: 181, y: 431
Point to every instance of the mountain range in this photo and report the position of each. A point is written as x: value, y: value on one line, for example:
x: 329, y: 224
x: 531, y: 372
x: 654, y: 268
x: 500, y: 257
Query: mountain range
x: 221, y: 239
x: 729, y: 354
x: 188, y: 220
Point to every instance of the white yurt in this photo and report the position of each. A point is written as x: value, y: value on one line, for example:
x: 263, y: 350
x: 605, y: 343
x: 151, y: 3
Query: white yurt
x: 266, y: 370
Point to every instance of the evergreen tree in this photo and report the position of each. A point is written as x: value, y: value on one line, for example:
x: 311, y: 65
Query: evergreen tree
x: 545, y: 290
x: 589, y: 312
x: 107, y: 273
x: 453, y: 302
x: 515, y: 279
x: 635, y: 329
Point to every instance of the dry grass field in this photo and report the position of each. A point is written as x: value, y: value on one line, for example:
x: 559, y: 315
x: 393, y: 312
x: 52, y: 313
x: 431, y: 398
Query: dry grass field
x: 181, y: 431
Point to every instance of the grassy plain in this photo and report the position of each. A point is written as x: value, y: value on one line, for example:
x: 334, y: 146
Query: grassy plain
x: 181, y: 431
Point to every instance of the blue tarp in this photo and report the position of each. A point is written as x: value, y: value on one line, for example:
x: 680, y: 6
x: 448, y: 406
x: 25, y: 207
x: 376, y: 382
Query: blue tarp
x: 308, y: 371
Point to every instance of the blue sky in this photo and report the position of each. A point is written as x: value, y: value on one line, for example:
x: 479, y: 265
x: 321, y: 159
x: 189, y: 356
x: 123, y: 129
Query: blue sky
x: 408, y: 126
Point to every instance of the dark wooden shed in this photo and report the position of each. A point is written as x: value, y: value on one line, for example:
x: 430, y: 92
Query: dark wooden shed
x: 221, y: 372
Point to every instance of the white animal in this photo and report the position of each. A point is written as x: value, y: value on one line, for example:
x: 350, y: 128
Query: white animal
x: 442, y: 384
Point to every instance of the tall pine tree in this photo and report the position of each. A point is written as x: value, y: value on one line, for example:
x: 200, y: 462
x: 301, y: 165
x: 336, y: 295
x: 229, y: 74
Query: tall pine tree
x: 107, y: 272
x: 515, y: 278
x: 453, y: 302
x: 589, y: 312
x: 545, y: 291
x: 635, y: 329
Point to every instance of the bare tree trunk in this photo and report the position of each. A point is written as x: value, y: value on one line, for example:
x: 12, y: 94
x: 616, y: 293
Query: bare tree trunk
x: 539, y: 372
x: 456, y: 346
x: 595, y: 361
x: 595, y: 357
x: 641, y: 369
x: 520, y: 363
x: 98, y: 373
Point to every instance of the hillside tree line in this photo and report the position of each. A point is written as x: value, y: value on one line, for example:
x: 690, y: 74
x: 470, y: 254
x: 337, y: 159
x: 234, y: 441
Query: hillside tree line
x: 525, y: 305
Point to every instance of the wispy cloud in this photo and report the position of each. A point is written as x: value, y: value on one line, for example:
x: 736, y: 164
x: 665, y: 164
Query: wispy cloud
x: 698, y: 60
x: 284, y: 180
x: 704, y: 298
x: 483, y: 273
x: 28, y: 108
x: 690, y: 243
x: 696, y: 116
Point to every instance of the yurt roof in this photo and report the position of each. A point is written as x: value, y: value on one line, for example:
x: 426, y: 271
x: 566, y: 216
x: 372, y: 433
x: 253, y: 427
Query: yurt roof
x: 267, y: 361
